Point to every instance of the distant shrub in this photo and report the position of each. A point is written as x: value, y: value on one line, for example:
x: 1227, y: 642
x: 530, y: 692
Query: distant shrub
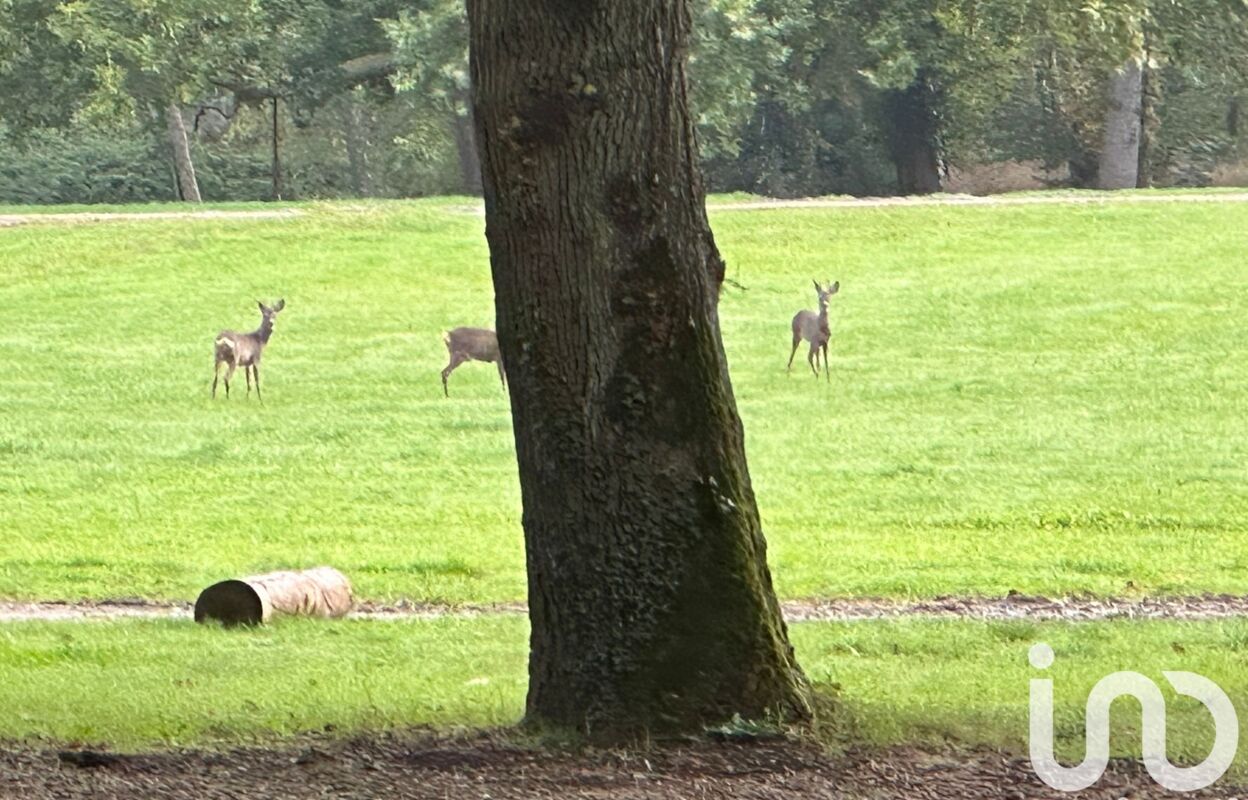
x: 88, y: 167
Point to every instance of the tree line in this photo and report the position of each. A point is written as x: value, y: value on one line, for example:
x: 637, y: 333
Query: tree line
x: 138, y: 100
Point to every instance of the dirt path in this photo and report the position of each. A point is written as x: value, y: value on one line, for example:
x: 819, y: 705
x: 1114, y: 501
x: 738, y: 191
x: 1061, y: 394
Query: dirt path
x: 82, y: 217
x: 1012, y: 607
x: 1083, y: 198
x: 416, y: 765
x: 1090, y: 198
x: 85, y: 217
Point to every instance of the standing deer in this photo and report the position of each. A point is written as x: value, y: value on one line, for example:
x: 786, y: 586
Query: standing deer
x: 472, y: 344
x: 814, y: 328
x: 243, y: 350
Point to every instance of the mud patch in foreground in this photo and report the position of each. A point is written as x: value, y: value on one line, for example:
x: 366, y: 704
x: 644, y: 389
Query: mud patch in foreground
x: 486, y: 765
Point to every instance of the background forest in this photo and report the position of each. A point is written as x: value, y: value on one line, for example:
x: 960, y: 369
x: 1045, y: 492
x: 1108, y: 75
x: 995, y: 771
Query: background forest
x: 118, y: 101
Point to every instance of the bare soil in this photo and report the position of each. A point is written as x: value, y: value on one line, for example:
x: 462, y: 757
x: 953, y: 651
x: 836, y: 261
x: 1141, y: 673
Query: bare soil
x: 420, y: 765
x: 944, y: 199
x: 1010, y: 607
x: 77, y: 218
x: 982, y: 200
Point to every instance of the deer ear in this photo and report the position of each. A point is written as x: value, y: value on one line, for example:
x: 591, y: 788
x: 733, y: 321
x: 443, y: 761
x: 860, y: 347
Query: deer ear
x: 260, y: 304
x: 280, y: 305
x: 834, y: 288
x: 818, y: 288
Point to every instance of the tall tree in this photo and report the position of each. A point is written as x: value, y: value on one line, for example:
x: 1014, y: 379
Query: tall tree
x: 1197, y: 67
x: 431, y: 45
x: 184, y: 168
x: 161, y: 51
x: 1119, y: 163
x: 43, y: 77
x: 651, y: 604
x: 1110, y: 43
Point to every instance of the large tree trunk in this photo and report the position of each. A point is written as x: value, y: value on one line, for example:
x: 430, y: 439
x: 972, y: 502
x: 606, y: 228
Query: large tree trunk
x: 913, y: 134
x: 651, y: 604
x: 188, y: 187
x: 1118, y: 167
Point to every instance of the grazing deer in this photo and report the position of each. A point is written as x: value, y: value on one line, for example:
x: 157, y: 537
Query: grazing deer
x: 243, y: 350
x: 472, y: 344
x: 814, y: 328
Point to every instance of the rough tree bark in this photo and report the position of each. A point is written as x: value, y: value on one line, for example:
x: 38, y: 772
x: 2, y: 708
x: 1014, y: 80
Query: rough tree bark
x: 184, y: 168
x: 650, y: 600
x: 1119, y: 163
x: 912, y: 138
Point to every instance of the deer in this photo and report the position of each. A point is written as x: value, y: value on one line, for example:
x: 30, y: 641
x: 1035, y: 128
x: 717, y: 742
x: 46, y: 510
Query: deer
x: 472, y: 344
x: 236, y: 350
x: 814, y: 328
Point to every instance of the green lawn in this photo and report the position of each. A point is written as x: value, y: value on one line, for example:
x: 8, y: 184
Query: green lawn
x: 1042, y: 398
x: 142, y: 684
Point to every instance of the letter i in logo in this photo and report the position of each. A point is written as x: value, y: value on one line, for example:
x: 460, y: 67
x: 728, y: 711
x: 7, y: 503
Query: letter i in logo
x: 1153, y: 705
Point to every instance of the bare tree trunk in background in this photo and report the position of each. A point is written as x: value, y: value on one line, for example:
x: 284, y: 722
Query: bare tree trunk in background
x: 276, y: 177
x: 466, y: 147
x: 357, y: 147
x: 650, y: 600
x: 912, y: 138
x: 1118, y: 167
x: 188, y: 187
x: 1150, y: 89
x: 1143, y: 177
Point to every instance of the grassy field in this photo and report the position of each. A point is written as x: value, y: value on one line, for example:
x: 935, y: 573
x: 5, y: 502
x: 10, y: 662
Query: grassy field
x: 1047, y: 399
x: 140, y: 684
x: 1039, y: 398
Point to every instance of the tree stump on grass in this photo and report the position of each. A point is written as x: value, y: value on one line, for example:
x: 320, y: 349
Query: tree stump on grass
x: 319, y: 592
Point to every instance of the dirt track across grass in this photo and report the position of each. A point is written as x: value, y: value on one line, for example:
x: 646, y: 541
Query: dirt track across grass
x: 83, y: 217
x: 1012, y: 607
x: 486, y: 766
x: 1056, y: 198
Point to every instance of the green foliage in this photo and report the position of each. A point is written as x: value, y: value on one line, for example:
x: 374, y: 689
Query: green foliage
x: 90, y: 167
x: 42, y: 75
x: 430, y: 42
x: 791, y: 97
x: 164, y: 50
x: 737, y: 46
x: 361, y: 145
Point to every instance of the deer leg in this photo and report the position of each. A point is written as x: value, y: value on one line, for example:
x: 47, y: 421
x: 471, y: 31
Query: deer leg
x: 796, y: 341
x: 811, y: 358
x: 827, y: 370
x: 456, y: 360
x: 229, y: 373
x: 255, y: 370
x: 502, y: 377
x: 247, y: 375
x: 216, y: 373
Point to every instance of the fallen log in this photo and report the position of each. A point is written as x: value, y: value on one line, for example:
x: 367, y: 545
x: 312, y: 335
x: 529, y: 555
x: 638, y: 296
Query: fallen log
x: 319, y: 592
